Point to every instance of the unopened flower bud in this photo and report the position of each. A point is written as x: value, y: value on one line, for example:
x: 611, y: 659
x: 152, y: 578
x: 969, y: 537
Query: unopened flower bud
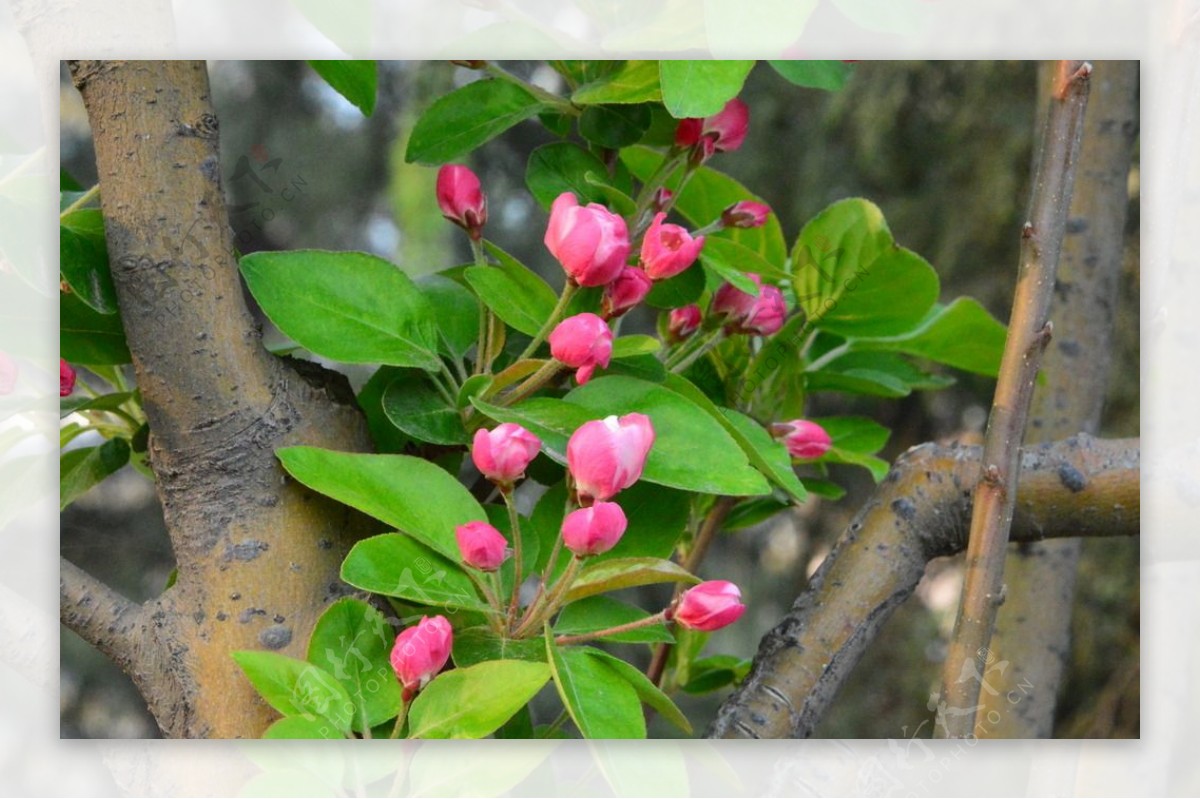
x: 461, y: 198
x: 803, y: 439
x: 482, y: 546
x: 502, y: 454
x: 626, y: 292
x: 709, y: 606
x: 66, y: 378
x: 594, y: 530
x: 668, y: 249
x: 590, y: 241
x: 683, y: 322
x: 420, y: 653
x: 746, y: 214
x: 583, y: 342
x: 607, y: 455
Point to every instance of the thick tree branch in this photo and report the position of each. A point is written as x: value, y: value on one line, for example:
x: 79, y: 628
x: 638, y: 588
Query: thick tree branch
x: 1080, y: 486
x: 99, y: 615
x: 1033, y: 626
x: 1028, y: 335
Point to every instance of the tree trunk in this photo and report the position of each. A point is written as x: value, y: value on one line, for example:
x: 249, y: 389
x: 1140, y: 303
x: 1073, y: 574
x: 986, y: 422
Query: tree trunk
x: 258, y: 555
x: 1033, y: 626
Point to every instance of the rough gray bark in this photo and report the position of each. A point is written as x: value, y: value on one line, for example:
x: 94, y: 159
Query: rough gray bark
x: 258, y: 555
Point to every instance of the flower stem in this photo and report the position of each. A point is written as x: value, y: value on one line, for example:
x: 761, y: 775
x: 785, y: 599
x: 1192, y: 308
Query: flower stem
x: 482, y: 346
x: 555, y: 315
x: 537, y: 616
x: 657, y: 618
x: 514, y: 520
x: 83, y: 200
x: 535, y: 381
x: 401, y: 717
x: 682, y: 359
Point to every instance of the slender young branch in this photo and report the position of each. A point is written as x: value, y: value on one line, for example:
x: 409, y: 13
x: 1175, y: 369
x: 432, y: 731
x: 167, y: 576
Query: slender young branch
x: 1081, y: 486
x: 514, y: 521
x: 99, y: 615
x: 83, y: 200
x: 1028, y: 334
x: 657, y: 618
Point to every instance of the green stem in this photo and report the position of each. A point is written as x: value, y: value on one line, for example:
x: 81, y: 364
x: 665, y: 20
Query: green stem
x: 401, y: 717
x: 482, y: 346
x: 555, y: 315
x: 828, y: 357
x: 682, y: 360
x: 535, y: 381
x: 83, y: 200
x: 657, y: 618
x: 536, y: 617
x: 436, y: 379
x: 514, y: 521
x: 555, y: 725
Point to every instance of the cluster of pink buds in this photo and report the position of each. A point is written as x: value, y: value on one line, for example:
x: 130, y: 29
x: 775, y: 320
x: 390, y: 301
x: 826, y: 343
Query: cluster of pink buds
x: 720, y: 133
x: 760, y: 315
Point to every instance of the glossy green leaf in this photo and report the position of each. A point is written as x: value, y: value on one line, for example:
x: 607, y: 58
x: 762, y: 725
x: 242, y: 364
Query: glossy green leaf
x: 706, y: 195
x: 418, y: 409
x: 83, y: 259
x: 81, y: 469
x: 599, y: 700
x: 105, y: 402
x: 455, y: 310
x: 579, y: 71
x: 700, y: 88
x: 629, y: 346
x: 354, y: 80
x: 353, y: 641
x: 563, y: 167
x: 513, y: 291
x: 399, y: 566
x: 614, y: 126
x: 881, y: 374
x: 616, y: 199
x: 600, y: 613
x: 88, y: 337
x: 479, y: 644
x: 855, y: 440
x: 676, y: 292
x: 716, y: 672
x: 826, y: 489
x: 647, y: 691
x: 465, y: 118
x: 474, y: 701
x: 386, y: 437
x: 346, y: 306
x: 634, y: 82
x: 962, y: 334
x: 296, y: 688
x: 306, y: 726
x: 726, y: 254
x: 828, y: 75
x: 410, y: 494
x: 614, y: 574
x: 851, y: 277
x: 753, y: 511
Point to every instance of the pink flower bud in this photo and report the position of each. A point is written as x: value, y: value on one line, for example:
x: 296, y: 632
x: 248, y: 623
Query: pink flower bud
x: 804, y: 439
x: 461, y: 198
x: 594, y: 530
x: 502, y: 454
x: 624, y: 293
x: 709, y: 606
x: 482, y: 546
x: 722, y: 132
x: 608, y: 455
x: 746, y: 214
x: 421, y: 652
x: 582, y: 342
x: 667, y: 250
x: 590, y: 242
x: 8, y: 373
x: 762, y: 315
x: 683, y: 322
x: 66, y: 378
x: 662, y: 198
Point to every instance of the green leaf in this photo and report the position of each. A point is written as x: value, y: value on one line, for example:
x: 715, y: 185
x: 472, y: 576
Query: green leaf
x: 560, y: 167
x: 66, y: 182
x: 629, y: 346
x: 81, y: 469
x: 296, y: 688
x: 676, y: 292
x: 823, y: 488
x: 600, y: 613
x: 701, y: 88
x: 614, y: 126
x: 828, y: 75
x: 346, y: 306
x: 882, y: 374
x: 513, y: 291
x: 352, y: 641
x: 418, y: 409
x: 410, y: 494
x: 354, y: 80
x: 753, y: 511
x: 83, y: 259
x: 602, y: 576
x: 962, y: 334
x: 726, y: 255
x: 455, y: 310
x: 599, y: 700
x: 399, y: 566
x: 688, y: 440
x: 87, y: 337
x: 706, y: 195
x: 465, y: 118
x: 306, y: 726
x: 852, y: 278
x: 855, y: 440
x: 473, y: 702
x: 634, y: 82
x: 641, y: 367
x: 479, y: 644
x: 105, y: 402
x: 370, y: 399
x: 618, y: 200
x: 715, y: 672
x: 647, y: 691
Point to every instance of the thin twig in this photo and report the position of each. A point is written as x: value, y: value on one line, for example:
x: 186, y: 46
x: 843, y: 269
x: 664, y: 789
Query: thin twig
x: 1028, y: 333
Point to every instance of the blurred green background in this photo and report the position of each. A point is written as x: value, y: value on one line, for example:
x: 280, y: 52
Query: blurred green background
x: 944, y: 148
